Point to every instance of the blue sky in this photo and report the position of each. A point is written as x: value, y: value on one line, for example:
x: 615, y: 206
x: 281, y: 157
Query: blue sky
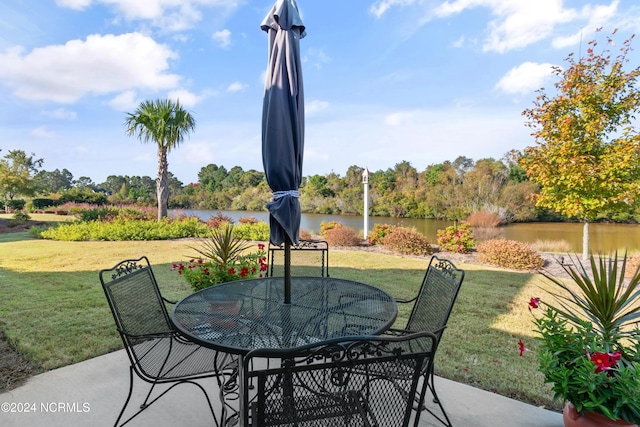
x: 385, y: 80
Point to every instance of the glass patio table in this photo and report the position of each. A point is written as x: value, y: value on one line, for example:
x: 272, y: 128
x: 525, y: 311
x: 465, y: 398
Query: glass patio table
x: 241, y: 316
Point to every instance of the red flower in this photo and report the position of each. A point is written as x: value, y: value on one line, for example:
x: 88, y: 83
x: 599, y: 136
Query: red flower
x: 534, y: 303
x: 261, y: 246
x: 231, y: 271
x: 244, y: 272
x: 604, y: 361
x: 522, y: 347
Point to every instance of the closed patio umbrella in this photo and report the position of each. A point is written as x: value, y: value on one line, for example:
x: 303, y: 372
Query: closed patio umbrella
x: 283, y: 126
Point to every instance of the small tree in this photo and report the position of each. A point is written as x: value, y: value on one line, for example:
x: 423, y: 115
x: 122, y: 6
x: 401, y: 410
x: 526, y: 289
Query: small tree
x: 17, y: 174
x: 587, y: 157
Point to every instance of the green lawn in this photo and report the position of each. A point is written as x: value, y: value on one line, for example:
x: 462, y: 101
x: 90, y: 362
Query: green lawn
x: 53, y: 310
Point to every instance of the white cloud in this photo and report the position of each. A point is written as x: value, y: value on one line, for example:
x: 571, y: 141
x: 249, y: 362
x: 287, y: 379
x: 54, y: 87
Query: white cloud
x: 125, y: 101
x: 525, y: 78
x: 197, y: 153
x: 222, y: 38
x: 399, y: 119
x: 380, y: 7
x: 459, y: 43
x: 236, y: 87
x: 61, y: 114
x: 42, y: 132
x: 315, y: 106
x: 186, y: 98
x: 597, y: 16
x: 517, y: 23
x: 74, y: 4
x: 316, y: 57
x: 98, y: 65
x: 173, y: 15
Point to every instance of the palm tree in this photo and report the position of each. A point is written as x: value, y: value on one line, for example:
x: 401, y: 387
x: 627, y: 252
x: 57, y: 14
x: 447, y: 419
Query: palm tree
x: 166, y: 123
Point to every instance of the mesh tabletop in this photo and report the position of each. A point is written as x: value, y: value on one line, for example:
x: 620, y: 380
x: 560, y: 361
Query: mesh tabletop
x: 241, y: 316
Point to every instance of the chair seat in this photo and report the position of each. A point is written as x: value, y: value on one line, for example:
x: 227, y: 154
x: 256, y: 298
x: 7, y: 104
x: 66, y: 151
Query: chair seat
x: 169, y: 358
x: 335, y: 409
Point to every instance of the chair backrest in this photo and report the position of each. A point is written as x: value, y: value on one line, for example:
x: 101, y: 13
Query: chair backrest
x: 436, y: 297
x: 135, y: 300
x: 308, y: 258
x: 364, y: 380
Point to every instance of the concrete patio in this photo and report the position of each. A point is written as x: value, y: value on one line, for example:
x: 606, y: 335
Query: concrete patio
x: 91, y: 393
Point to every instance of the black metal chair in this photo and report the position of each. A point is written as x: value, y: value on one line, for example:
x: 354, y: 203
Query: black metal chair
x: 348, y: 381
x: 306, y: 255
x: 158, y: 354
x: 431, y: 310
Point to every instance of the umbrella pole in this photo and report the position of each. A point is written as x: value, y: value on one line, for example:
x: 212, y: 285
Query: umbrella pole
x: 287, y: 271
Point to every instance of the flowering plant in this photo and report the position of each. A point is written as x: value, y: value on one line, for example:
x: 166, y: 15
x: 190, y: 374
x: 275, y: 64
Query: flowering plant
x: 457, y: 239
x: 589, y: 346
x: 223, y: 259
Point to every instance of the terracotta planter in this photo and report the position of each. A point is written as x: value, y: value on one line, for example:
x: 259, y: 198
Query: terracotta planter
x: 572, y: 418
x: 223, y: 313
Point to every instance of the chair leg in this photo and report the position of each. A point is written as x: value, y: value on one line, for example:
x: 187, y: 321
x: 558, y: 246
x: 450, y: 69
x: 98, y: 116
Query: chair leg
x: 429, y: 382
x: 128, y: 397
x: 148, y: 403
x: 145, y: 404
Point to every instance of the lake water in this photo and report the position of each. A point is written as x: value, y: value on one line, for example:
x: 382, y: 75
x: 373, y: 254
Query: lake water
x: 604, y: 238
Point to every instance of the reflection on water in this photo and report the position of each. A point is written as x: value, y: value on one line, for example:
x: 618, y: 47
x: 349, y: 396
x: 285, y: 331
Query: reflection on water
x: 604, y: 238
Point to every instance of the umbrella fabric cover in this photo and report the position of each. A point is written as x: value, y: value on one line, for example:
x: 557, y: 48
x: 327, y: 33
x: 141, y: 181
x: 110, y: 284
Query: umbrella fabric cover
x: 283, y: 120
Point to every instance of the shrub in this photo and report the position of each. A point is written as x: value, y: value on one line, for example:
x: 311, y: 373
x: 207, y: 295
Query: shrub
x: 305, y: 235
x: 379, y: 232
x: 456, y: 239
x: 483, y: 219
x: 407, y: 241
x: 509, y: 254
x: 248, y: 220
x: 126, y: 229
x: 77, y: 195
x: 97, y: 214
x: 258, y: 231
x: 19, y: 218
x: 342, y: 236
x: 15, y: 204
x: 42, y: 203
x: 325, y: 226
x: 218, y: 220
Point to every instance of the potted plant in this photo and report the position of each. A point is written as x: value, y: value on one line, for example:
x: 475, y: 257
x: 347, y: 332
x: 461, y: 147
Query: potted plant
x: 589, y: 342
x: 222, y: 257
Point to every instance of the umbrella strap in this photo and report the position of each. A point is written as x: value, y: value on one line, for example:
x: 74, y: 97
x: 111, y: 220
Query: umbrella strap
x: 279, y: 194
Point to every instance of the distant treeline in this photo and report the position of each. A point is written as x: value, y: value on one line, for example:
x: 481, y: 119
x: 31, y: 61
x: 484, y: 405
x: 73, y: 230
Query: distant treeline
x: 448, y: 190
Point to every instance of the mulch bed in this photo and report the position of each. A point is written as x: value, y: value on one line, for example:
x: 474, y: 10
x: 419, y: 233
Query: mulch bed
x: 14, y: 369
x: 4, y: 226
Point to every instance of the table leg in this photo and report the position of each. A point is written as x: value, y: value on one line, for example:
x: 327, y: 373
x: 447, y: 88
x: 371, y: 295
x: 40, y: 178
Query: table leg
x: 228, y: 366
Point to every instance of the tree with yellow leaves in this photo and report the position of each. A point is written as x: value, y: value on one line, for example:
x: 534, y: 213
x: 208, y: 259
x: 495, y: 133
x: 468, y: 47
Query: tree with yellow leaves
x: 587, y: 153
